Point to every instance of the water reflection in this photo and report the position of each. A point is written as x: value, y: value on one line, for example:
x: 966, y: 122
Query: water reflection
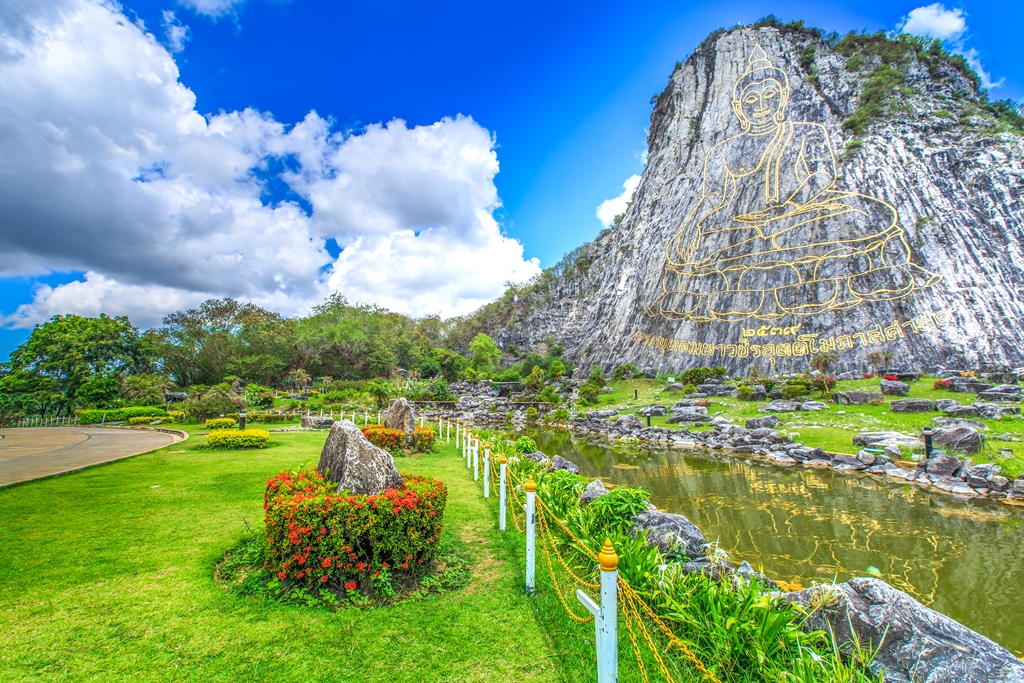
x: 960, y: 558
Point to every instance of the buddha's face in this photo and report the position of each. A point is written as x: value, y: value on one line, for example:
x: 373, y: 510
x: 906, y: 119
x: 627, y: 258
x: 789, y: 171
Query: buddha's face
x: 761, y: 102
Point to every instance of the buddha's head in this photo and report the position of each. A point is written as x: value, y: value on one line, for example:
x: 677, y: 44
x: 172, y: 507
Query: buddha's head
x: 760, y: 95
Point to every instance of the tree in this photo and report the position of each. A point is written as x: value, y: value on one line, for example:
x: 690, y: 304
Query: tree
x: 556, y: 370
x: 145, y: 389
x: 879, y: 360
x: 824, y: 360
x: 379, y: 390
x: 537, y: 379
x: 99, y: 392
x: 486, y: 353
x: 65, y: 352
x: 300, y: 378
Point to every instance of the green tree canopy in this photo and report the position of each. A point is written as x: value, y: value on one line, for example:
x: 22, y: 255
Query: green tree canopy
x: 486, y: 353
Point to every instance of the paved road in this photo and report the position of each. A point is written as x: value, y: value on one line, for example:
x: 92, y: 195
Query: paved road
x: 30, y: 453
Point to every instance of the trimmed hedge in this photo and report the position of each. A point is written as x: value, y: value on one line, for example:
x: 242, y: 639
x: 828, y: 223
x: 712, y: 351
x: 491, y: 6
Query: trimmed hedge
x: 318, y: 537
x: 149, y: 420
x: 234, y: 438
x: 221, y: 422
x: 95, y: 416
x: 424, y: 439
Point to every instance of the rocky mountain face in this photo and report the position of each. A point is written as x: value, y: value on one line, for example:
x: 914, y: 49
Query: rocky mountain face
x: 764, y: 231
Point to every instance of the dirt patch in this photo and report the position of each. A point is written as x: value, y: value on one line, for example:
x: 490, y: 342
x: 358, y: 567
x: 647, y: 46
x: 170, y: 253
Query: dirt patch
x: 486, y: 569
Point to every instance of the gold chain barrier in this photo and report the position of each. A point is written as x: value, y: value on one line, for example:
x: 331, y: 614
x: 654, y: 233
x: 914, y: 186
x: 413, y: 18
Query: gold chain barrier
x: 633, y: 607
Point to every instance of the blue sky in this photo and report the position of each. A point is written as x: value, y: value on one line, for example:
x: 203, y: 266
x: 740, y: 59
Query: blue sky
x: 563, y: 88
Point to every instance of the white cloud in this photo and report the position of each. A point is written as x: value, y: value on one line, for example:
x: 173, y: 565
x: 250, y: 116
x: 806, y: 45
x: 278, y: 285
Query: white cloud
x: 106, y: 168
x: 949, y: 26
x: 212, y: 8
x: 935, y: 21
x: 610, y: 208
x: 974, y: 60
x: 176, y: 33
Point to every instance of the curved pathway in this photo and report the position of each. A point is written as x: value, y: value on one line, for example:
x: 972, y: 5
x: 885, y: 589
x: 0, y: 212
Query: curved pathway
x: 34, y: 452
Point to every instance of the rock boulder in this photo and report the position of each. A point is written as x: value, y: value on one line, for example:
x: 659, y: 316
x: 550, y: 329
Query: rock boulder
x: 594, y: 490
x: 673, y: 534
x: 894, y: 388
x: 779, y: 406
x: 691, y: 414
x: 912, y: 405
x: 856, y: 398
x: 560, y: 463
x: 400, y: 416
x: 355, y: 464
x: 917, y: 643
x: 964, y: 439
x: 766, y: 421
x: 316, y: 422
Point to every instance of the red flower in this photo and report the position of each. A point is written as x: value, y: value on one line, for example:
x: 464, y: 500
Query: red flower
x: 350, y: 585
x: 326, y: 563
x: 323, y: 579
x: 282, y: 576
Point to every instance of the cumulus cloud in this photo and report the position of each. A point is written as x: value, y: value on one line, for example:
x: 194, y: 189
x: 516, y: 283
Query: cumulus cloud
x: 106, y: 168
x: 935, y: 21
x: 176, y: 33
x: 949, y: 26
x: 610, y: 208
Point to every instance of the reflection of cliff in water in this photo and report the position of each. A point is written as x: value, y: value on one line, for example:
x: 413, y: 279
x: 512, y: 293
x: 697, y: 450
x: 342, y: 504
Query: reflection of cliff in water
x: 961, y: 559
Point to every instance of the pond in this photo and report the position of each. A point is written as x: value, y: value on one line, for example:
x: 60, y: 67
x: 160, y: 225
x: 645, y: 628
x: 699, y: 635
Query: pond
x: 963, y: 559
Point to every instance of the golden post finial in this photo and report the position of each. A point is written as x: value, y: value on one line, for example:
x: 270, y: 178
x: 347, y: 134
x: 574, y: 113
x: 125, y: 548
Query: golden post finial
x: 531, y: 485
x: 487, y: 445
x: 608, y: 560
x: 502, y: 460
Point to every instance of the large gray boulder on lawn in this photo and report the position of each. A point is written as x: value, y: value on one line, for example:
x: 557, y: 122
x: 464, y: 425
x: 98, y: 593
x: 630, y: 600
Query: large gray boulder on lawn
x: 689, y: 414
x: 602, y: 414
x: 942, y: 465
x: 401, y: 416
x: 316, y: 422
x: 779, y: 406
x: 883, y: 439
x: 673, y: 534
x: 355, y: 464
x: 653, y: 411
x: 917, y: 643
x: 759, y: 422
x: 893, y: 388
x: 964, y: 439
x: 856, y: 398
x: 912, y: 405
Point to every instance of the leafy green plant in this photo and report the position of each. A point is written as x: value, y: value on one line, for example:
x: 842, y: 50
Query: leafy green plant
x: 532, y: 413
x: 525, y: 444
x: 238, y: 438
x: 560, y: 416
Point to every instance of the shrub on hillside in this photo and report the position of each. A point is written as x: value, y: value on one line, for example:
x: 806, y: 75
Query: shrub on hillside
x: 588, y: 393
x: 700, y: 375
x: 942, y: 384
x: 221, y: 423
x: 324, y: 539
x: 532, y: 413
x: 627, y: 371
x: 560, y: 416
x: 211, y: 406
x: 795, y: 389
x: 235, y: 438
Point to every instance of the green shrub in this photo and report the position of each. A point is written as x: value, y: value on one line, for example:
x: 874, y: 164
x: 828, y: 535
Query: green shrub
x: 320, y: 538
x: 238, y: 438
x: 560, y: 416
x: 589, y: 392
x: 176, y: 415
x: 89, y: 417
x: 549, y: 395
x: 700, y: 375
x: 532, y: 413
x: 745, y: 393
x: 795, y: 389
x: 149, y: 420
x: 210, y: 406
x: 440, y: 391
x: 525, y: 444
x: 221, y: 423
x: 689, y: 389
x: 597, y: 377
x: 627, y: 371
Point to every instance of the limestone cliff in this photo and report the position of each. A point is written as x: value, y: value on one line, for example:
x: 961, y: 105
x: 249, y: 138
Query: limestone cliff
x: 765, y: 231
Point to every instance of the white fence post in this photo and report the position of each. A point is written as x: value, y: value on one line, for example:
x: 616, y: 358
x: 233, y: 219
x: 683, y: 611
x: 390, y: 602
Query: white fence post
x: 458, y: 433
x: 531, y: 533
x: 476, y: 459
x: 468, y: 443
x: 378, y: 417
x: 502, y: 497
x: 606, y: 617
x: 487, y: 470
x: 440, y: 429
x: 448, y: 431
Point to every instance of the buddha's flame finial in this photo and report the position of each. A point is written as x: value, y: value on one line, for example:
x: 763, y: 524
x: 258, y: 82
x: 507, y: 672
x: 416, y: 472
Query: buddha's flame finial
x: 759, y: 60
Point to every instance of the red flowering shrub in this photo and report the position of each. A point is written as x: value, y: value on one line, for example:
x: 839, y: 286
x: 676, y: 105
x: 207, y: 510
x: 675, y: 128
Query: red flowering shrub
x: 891, y: 378
x: 382, y: 437
x: 316, y: 536
x: 424, y: 439
x: 868, y: 375
x: 942, y: 384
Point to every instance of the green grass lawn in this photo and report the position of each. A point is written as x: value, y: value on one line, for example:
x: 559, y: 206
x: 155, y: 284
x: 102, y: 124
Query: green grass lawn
x: 106, y: 575
x: 832, y: 429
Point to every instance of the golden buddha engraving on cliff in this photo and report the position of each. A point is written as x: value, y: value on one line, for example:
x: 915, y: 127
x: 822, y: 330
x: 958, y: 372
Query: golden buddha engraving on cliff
x: 772, y: 234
